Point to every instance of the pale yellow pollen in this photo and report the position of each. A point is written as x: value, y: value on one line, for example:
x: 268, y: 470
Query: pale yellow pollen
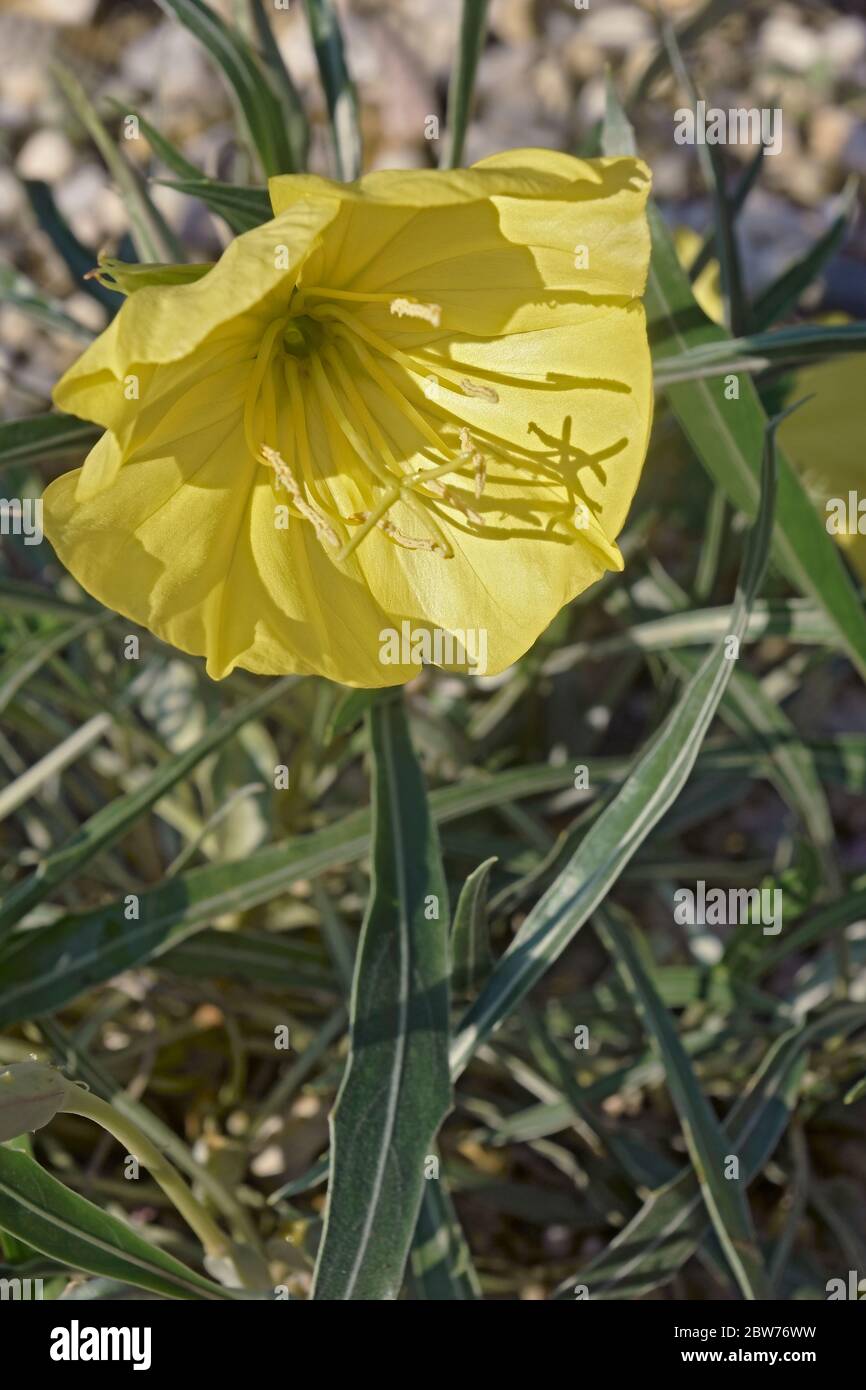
x: 411, y: 309
x: 286, y: 479
x: 474, y: 388
x: 400, y: 538
x: 478, y: 461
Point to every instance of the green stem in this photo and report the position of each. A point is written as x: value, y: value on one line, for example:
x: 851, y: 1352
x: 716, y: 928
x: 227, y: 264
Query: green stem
x: 84, y: 1103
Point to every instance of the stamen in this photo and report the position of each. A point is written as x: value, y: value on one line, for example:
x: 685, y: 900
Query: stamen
x: 411, y: 309
x: 400, y: 538
x: 285, y: 477
x: 440, y: 490
x: 476, y: 458
x: 474, y: 388
x: 262, y: 362
x: 333, y: 358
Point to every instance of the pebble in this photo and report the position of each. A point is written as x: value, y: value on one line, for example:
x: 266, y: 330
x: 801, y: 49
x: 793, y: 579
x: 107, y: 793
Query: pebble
x: 46, y: 154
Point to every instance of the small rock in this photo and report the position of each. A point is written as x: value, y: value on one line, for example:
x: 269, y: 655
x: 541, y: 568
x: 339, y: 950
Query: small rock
x: 46, y: 155
x: 829, y: 132
x: 845, y: 43
x: 785, y: 42
x: 616, y: 28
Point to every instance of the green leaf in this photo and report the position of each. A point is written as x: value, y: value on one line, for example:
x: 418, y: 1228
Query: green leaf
x: 685, y: 34
x: 782, y: 295
x: 45, y: 968
x: 473, y: 29
x: 154, y: 239
x: 297, y: 126
x: 29, y: 657
x: 259, y: 99
x: 798, y: 620
x: 18, y: 290
x: 108, y: 824
x: 396, y: 1089
x: 442, y: 1269
x: 45, y: 437
x: 79, y: 259
x: 39, y: 1210
x: 710, y: 159
x: 727, y: 436
x: 162, y: 147
x: 658, y: 777
x: 673, y: 1221
x: 736, y: 202
x: 470, y: 937
x: 241, y: 208
x: 747, y: 709
x: 784, y: 346
x: 708, y: 1146
x: 267, y: 958
x: 340, y: 94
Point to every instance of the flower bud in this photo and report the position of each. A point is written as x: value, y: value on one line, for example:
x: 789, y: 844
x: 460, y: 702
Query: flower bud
x: 30, y: 1095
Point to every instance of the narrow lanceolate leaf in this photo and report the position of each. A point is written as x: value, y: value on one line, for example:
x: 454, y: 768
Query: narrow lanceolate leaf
x: 396, y: 1090
x: 154, y: 239
x: 740, y: 192
x: 727, y: 434
x: 79, y: 259
x: 801, y: 342
x: 748, y: 710
x: 338, y: 86
x: 656, y: 781
x: 112, y: 821
x: 470, y: 939
x: 242, y: 208
x: 782, y: 295
x: 442, y: 1269
x: 709, y: 1149
x: 32, y: 655
x: 39, y: 1210
x: 712, y: 165
x: 39, y: 437
x: 673, y: 1221
x: 248, y: 77
x: 686, y: 34
x: 473, y: 27
x: 46, y: 968
x: 294, y: 117
x: 161, y: 146
x: 48, y: 313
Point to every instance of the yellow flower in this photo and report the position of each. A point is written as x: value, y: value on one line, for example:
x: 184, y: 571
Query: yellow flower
x: 825, y: 439
x: 826, y: 442
x: 419, y: 404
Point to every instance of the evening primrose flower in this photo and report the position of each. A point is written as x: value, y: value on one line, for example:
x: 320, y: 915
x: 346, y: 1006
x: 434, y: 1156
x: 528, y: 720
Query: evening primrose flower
x: 825, y: 440
x: 420, y: 401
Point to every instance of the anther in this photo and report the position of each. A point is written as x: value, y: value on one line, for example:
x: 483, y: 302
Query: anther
x: 286, y: 479
x: 400, y: 538
x: 411, y: 309
x: 474, y: 388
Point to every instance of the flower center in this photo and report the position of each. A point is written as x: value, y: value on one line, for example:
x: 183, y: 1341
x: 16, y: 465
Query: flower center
x: 302, y: 336
x: 326, y: 350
